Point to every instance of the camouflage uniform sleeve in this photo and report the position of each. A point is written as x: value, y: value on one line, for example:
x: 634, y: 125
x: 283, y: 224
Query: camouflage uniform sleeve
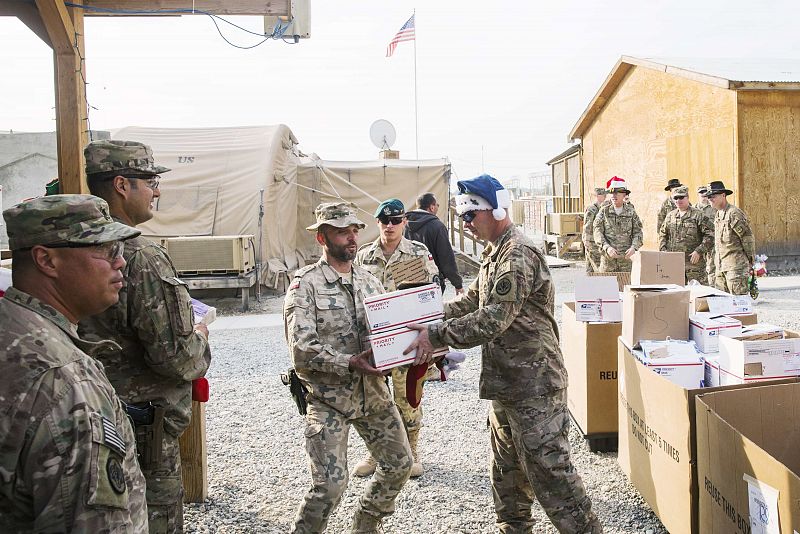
x: 161, y: 315
x: 637, y: 238
x: 513, y: 283
x: 706, y: 227
x: 741, y: 227
x: 662, y: 235
x: 588, y: 226
x: 463, y: 304
x: 599, y: 236
x: 300, y: 329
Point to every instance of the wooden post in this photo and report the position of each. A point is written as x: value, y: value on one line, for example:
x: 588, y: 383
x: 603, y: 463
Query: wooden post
x: 461, y: 235
x: 194, y: 456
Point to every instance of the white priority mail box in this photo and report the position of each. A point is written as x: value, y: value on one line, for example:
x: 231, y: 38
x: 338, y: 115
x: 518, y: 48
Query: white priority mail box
x: 597, y: 299
x: 676, y: 360
x: 705, y: 298
x: 402, y: 307
x: 388, y: 347
x: 706, y: 327
x: 711, y: 379
x: 742, y: 361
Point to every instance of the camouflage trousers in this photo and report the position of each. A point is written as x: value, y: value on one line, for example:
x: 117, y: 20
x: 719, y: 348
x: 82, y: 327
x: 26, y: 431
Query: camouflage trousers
x: 531, y: 459
x: 593, y: 257
x: 326, y: 445
x: 696, y: 274
x: 412, y: 417
x: 711, y: 269
x: 734, y: 282
x: 615, y: 265
x: 165, y: 490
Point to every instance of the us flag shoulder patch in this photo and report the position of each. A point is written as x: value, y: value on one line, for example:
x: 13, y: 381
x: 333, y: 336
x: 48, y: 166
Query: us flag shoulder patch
x: 111, y: 436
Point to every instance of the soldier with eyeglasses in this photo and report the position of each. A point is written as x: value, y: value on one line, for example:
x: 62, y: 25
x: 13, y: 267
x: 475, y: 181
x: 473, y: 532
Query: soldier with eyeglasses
x: 160, y: 350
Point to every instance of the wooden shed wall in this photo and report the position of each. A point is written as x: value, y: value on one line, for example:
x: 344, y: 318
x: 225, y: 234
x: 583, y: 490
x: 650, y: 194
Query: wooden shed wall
x: 658, y: 126
x: 769, y: 168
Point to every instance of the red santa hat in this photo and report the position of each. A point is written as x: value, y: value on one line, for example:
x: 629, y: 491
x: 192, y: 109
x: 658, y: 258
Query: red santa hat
x: 615, y: 183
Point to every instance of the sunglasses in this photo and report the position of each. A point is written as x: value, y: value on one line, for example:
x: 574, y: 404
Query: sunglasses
x: 391, y: 220
x: 468, y: 216
x: 106, y: 251
x: 678, y: 197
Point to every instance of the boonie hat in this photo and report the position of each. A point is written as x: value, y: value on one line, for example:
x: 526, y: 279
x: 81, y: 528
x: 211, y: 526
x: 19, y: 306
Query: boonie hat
x: 338, y: 214
x: 57, y: 219
x: 115, y: 155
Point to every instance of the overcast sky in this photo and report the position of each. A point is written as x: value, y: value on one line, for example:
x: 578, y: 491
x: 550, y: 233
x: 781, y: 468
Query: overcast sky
x: 512, y: 80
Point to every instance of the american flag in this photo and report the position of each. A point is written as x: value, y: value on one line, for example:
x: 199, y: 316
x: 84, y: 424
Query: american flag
x: 406, y: 33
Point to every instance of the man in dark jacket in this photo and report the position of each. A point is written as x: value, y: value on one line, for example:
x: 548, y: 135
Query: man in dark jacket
x: 424, y: 226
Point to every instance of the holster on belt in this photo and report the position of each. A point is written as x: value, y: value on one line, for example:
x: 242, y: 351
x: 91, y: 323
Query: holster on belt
x: 148, y: 425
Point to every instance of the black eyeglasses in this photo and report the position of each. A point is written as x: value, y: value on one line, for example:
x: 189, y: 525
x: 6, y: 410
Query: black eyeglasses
x: 393, y: 220
x: 107, y: 251
x: 678, y: 197
x: 468, y: 216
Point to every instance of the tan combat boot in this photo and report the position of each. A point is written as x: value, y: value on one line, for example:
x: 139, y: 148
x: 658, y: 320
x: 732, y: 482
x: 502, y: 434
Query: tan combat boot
x: 363, y: 523
x: 416, y: 470
x: 365, y: 467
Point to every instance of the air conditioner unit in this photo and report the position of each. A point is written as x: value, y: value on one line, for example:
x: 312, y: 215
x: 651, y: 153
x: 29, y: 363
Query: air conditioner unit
x: 219, y: 254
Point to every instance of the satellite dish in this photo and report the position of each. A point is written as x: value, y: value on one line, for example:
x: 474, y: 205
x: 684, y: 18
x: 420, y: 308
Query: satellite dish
x: 382, y: 134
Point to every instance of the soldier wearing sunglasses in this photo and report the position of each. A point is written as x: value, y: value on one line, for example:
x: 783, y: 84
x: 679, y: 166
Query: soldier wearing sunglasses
x: 161, y: 350
x: 686, y: 229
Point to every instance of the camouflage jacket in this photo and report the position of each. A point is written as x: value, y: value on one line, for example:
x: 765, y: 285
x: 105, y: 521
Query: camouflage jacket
x: 588, y: 223
x: 371, y: 258
x: 153, y: 323
x: 734, y: 244
x: 691, y: 232
x: 618, y: 231
x: 667, y: 206
x: 508, y: 310
x: 325, y: 325
x: 67, y: 451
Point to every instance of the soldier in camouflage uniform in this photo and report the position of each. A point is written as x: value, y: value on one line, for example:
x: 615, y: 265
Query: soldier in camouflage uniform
x: 591, y: 250
x: 508, y: 310
x: 617, y: 230
x: 734, y: 244
x: 686, y: 229
x: 67, y: 450
x: 389, y: 249
x: 708, y: 210
x: 325, y: 326
x: 160, y: 349
x: 669, y: 204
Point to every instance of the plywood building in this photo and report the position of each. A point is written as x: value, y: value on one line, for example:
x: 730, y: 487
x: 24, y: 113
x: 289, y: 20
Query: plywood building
x: 735, y: 121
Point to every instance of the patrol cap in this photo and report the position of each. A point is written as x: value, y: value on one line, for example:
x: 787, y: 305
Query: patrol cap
x: 57, y: 219
x: 338, y: 214
x: 390, y: 208
x: 600, y: 191
x: 701, y: 190
x: 116, y: 155
x: 681, y: 191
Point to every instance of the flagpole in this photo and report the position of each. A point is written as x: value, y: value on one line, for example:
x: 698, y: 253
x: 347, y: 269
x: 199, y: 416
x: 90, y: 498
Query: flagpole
x: 416, y: 113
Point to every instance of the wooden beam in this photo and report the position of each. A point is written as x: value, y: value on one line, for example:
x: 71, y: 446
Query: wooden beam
x: 29, y: 15
x: 194, y: 456
x: 56, y: 19
x: 280, y: 8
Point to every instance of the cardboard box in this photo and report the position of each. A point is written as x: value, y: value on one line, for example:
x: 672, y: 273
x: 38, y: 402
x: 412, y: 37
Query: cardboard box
x: 711, y: 374
x: 597, y: 299
x: 748, y: 460
x: 677, y: 361
x: 705, y: 328
x: 623, y: 278
x: 590, y: 356
x: 657, y: 441
x: 388, y: 347
x: 742, y: 361
x: 412, y: 271
x: 654, y: 267
x: 397, y: 308
x: 655, y: 312
x: 565, y: 223
x: 705, y: 298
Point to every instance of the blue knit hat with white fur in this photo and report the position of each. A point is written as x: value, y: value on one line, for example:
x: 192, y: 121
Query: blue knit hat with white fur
x: 483, y: 193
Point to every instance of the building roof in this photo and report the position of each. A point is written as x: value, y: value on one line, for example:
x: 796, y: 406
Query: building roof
x: 727, y: 73
x: 564, y: 155
x: 19, y: 159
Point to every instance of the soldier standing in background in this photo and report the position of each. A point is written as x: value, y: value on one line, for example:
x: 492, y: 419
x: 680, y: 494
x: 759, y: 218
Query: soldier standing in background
x: 591, y: 250
x: 509, y: 310
x: 668, y: 205
x: 67, y: 450
x: 389, y: 249
x: 160, y: 350
x: 708, y: 210
x: 686, y: 229
x: 325, y: 327
x: 617, y: 229
x: 734, y: 244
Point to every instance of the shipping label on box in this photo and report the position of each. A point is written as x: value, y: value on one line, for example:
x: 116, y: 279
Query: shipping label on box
x: 388, y: 347
x: 706, y: 327
x: 744, y: 361
x: 402, y: 307
x: 654, y: 267
x: 732, y: 305
x: 597, y: 299
x: 655, y: 312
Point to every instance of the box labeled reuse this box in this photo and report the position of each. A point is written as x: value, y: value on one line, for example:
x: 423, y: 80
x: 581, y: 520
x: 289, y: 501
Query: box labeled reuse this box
x: 742, y: 361
x: 597, y: 299
x: 655, y: 312
x: 590, y: 356
x: 705, y: 329
x: 402, y: 307
x: 654, y: 267
x: 748, y: 461
x: 388, y: 347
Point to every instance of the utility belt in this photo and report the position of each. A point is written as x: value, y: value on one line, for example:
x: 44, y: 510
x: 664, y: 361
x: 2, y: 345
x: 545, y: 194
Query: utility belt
x: 148, y: 425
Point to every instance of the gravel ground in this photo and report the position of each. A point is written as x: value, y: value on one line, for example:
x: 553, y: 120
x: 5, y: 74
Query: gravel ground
x: 257, y: 463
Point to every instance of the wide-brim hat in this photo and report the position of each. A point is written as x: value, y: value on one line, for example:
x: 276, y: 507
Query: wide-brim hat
x: 717, y: 187
x: 338, y: 214
x: 616, y: 184
x: 672, y: 184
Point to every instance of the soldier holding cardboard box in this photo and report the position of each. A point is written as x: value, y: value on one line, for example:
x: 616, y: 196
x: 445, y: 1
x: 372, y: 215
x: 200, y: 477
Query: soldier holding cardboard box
x: 686, y: 229
x: 617, y: 229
